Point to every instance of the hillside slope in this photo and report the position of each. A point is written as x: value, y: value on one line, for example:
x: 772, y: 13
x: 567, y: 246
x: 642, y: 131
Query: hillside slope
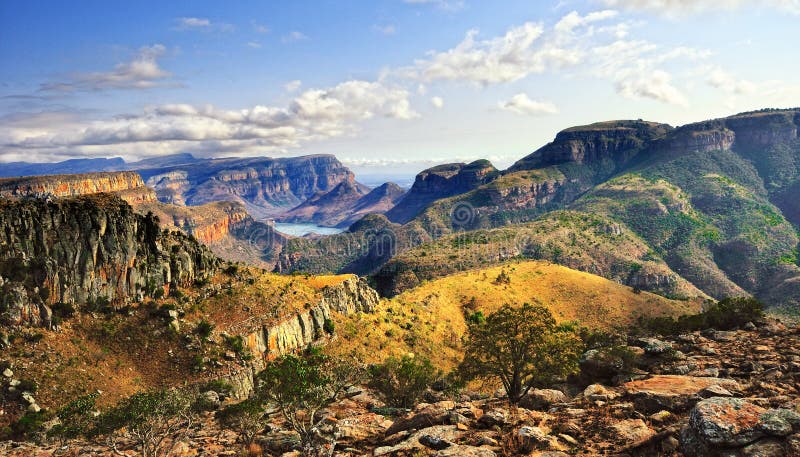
x: 430, y: 319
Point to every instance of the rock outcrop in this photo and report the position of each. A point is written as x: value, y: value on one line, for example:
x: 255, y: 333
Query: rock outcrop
x: 345, y: 204
x: 89, y: 249
x: 303, y: 328
x: 440, y: 182
x: 266, y: 186
x: 72, y: 185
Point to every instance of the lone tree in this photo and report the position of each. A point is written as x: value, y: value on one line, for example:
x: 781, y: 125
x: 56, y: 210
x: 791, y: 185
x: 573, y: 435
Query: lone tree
x: 522, y: 347
x: 155, y: 420
x: 300, y: 386
x: 401, y: 382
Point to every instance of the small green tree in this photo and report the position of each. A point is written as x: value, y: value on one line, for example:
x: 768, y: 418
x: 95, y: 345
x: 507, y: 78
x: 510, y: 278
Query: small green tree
x: 75, y: 419
x: 155, y: 420
x: 522, y: 347
x: 246, y: 418
x: 300, y: 386
x: 401, y: 382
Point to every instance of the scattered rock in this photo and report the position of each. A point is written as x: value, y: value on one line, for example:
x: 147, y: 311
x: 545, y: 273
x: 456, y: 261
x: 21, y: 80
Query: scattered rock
x: 542, y: 399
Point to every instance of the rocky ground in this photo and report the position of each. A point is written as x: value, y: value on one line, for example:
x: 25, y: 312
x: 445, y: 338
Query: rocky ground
x: 712, y: 393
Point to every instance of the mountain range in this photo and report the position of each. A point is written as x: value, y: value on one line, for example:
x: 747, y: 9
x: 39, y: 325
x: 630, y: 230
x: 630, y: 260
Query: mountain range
x: 702, y: 210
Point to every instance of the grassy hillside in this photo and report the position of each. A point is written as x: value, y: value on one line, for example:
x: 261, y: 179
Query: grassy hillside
x: 431, y: 318
x: 127, y: 350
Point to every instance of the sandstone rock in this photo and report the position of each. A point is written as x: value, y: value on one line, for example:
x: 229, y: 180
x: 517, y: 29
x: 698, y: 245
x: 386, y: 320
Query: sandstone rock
x: 726, y: 421
x: 7, y: 373
x: 654, y: 346
x: 424, y: 416
x: 598, y: 392
x: 632, y: 431
x: 542, y: 398
x: 492, y: 418
x: 465, y: 451
x: 530, y: 437
x: 441, y: 432
x: 671, y: 392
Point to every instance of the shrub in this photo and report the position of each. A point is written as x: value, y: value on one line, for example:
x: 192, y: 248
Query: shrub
x: 231, y: 269
x: 30, y: 426
x: 301, y: 385
x: 204, y: 329
x: 75, y: 419
x: 522, y: 347
x: 246, y: 418
x: 154, y: 420
x: 401, y: 382
x: 328, y: 326
x: 724, y: 315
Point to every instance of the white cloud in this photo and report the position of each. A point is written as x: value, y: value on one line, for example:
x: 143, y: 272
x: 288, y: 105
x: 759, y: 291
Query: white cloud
x: 521, y: 104
x: 675, y: 8
x: 721, y: 79
x: 387, y: 29
x: 292, y: 86
x: 186, y: 23
x: 260, y: 28
x: 201, y: 24
x: 294, y: 36
x: 312, y: 115
x: 142, y: 72
x: 254, y: 44
x: 437, y: 102
x: 447, y: 5
x: 523, y: 50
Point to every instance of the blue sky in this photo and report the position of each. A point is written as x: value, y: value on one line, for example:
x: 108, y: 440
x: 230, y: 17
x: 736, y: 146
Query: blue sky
x: 385, y: 85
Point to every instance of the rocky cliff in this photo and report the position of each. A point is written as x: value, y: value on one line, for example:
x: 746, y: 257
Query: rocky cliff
x: 88, y: 250
x: 266, y: 186
x: 304, y: 328
x: 72, y: 185
x: 345, y: 204
x: 440, y: 182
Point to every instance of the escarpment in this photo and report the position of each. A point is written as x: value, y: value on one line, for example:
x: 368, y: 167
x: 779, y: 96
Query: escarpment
x: 351, y: 296
x: 88, y: 250
x: 71, y: 185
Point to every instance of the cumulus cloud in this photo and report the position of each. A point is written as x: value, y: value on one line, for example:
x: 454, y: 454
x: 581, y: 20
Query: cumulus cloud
x: 522, y: 104
x: 142, y: 72
x: 721, y: 79
x: 294, y: 36
x: 387, y: 29
x: 437, y: 102
x: 676, y: 8
x: 201, y: 24
x: 522, y: 51
x: 292, y: 86
x: 312, y: 115
x: 447, y: 5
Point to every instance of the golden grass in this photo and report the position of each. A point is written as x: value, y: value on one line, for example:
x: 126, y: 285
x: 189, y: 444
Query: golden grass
x: 430, y: 319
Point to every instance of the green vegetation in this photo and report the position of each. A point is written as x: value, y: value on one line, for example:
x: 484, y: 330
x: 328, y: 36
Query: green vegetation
x: 402, y: 381
x: 522, y: 348
x: 726, y: 314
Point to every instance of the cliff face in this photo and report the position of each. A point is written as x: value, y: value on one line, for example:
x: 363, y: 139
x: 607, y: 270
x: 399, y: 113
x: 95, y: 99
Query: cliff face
x: 351, y: 296
x: 616, y: 141
x: 441, y: 182
x: 345, y: 204
x: 264, y: 185
x: 87, y: 249
x: 71, y: 185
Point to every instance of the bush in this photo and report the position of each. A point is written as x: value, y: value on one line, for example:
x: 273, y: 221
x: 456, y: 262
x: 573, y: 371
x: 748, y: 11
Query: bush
x: 401, y: 382
x: 246, y: 418
x: 75, y: 419
x: 522, y: 348
x: 154, y: 420
x: 204, y: 329
x: 724, y: 315
x: 301, y: 385
x: 328, y: 326
x: 30, y: 426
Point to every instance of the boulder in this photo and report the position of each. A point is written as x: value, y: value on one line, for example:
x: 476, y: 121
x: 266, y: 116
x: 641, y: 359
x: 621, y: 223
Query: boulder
x: 671, y: 392
x: 542, y: 399
x: 653, y: 346
x: 425, y: 415
x: 465, y: 451
x: 632, y: 431
x: 447, y: 433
